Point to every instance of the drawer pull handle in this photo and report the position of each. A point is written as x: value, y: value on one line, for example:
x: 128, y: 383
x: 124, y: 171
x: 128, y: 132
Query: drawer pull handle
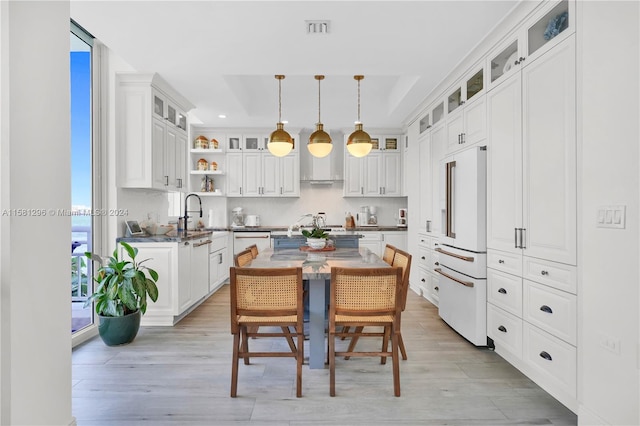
x: 502, y: 328
x: 544, y: 272
x: 458, y: 256
x: 437, y: 263
x: 500, y: 261
x: 546, y: 356
x: 464, y: 283
x: 502, y: 290
x: 545, y: 308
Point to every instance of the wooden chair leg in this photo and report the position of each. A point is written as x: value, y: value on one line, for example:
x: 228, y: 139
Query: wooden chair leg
x: 234, y: 365
x: 299, y: 360
x: 403, y: 351
x: 332, y: 364
x: 292, y: 345
x: 385, y: 343
x: 396, y: 363
x: 354, y: 340
x: 245, y: 344
x: 345, y: 329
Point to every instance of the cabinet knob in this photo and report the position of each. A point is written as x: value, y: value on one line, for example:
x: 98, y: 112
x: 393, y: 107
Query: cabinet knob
x: 500, y: 261
x: 502, y: 291
x: 437, y: 263
x: 423, y: 280
x: 436, y: 288
x: 545, y: 355
x: 423, y: 258
x: 544, y: 272
x: 502, y: 328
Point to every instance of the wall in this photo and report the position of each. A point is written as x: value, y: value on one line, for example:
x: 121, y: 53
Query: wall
x: 608, y: 66
x: 35, y: 370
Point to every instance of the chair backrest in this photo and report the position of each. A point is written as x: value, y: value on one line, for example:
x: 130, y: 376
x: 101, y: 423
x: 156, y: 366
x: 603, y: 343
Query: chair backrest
x: 365, y: 291
x: 254, y: 250
x: 402, y: 260
x: 266, y: 292
x: 242, y: 258
x: 389, y: 252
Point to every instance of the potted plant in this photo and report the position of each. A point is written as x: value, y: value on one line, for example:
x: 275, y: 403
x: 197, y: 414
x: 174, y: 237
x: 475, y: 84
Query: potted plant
x: 124, y: 286
x: 316, y: 238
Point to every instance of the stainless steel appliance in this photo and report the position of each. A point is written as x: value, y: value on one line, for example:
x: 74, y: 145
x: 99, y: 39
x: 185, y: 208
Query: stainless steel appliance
x: 243, y: 239
x: 463, y: 257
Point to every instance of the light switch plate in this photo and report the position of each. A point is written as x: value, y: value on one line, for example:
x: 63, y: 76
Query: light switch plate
x: 611, y: 217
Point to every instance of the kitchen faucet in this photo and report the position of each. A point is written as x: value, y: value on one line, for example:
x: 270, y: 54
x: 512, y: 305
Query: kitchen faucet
x: 186, y: 211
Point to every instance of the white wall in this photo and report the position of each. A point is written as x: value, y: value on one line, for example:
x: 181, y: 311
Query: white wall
x: 35, y: 347
x: 608, y: 66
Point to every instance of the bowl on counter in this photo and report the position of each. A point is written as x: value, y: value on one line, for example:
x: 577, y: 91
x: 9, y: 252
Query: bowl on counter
x: 158, y: 229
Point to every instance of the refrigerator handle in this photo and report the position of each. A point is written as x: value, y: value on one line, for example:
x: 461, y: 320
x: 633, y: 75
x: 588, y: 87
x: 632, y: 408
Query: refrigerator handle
x: 523, y: 241
x: 450, y: 206
x: 515, y: 237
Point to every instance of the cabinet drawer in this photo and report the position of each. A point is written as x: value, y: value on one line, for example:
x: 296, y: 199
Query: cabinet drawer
x: 505, y: 291
x: 434, y: 287
x: 424, y: 258
x: 217, y: 244
x: 552, y: 310
x: 434, y: 243
x: 435, y: 260
x: 557, y: 275
x: 505, y: 262
x: 424, y: 240
x: 552, y: 361
x: 423, y: 283
x: 505, y: 330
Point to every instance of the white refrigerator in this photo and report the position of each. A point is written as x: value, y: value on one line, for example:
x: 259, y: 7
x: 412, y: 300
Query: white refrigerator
x: 463, y: 263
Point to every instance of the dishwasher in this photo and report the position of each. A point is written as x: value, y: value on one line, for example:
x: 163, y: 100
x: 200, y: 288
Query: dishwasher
x: 243, y: 239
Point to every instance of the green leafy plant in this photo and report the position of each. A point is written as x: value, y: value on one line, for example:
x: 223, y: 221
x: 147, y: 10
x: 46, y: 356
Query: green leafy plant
x: 78, y: 277
x: 123, y: 285
x: 315, y: 233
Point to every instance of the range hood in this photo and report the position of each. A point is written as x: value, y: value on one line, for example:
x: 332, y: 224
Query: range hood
x: 326, y: 170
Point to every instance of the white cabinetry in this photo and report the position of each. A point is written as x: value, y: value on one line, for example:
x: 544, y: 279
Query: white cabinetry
x: 531, y: 172
x: 219, y: 260
x: 426, y: 261
x: 379, y: 174
x: 252, y: 171
x: 531, y: 208
x: 183, y: 269
x: 151, y: 133
x: 466, y: 115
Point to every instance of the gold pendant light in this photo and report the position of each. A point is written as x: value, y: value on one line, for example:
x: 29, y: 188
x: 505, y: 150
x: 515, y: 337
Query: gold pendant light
x: 319, y: 142
x: 280, y: 142
x: 359, y: 142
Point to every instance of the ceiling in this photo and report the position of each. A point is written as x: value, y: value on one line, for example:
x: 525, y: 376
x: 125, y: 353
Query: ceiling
x: 223, y: 55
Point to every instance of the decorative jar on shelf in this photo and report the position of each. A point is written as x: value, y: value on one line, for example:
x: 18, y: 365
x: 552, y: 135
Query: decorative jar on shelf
x: 214, y: 166
x: 213, y: 144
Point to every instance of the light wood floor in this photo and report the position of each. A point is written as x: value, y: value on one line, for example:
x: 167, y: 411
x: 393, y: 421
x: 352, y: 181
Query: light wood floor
x: 181, y: 376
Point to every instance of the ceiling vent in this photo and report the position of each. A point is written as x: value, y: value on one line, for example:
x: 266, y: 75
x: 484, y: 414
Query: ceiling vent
x: 317, y: 27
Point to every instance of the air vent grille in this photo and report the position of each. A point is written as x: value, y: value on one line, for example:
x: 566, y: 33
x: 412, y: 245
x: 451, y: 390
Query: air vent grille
x: 317, y: 27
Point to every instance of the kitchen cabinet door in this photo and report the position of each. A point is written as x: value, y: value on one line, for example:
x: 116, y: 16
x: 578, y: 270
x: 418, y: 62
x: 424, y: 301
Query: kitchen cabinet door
x: 392, y: 174
x: 424, y: 183
x: 160, y: 179
x: 504, y: 165
x: 234, y: 175
x: 199, y: 264
x: 270, y: 179
x: 372, y: 176
x: 549, y: 155
x: 184, y: 296
x: 353, y: 169
x: 437, y: 153
x: 252, y: 168
x: 290, y: 175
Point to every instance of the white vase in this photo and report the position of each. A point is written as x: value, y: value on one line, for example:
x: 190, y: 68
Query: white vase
x: 316, y: 243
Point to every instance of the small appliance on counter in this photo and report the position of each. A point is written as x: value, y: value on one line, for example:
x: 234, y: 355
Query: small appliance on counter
x: 373, y: 218
x: 252, y: 220
x: 402, y: 217
x: 237, y: 218
x: 366, y: 217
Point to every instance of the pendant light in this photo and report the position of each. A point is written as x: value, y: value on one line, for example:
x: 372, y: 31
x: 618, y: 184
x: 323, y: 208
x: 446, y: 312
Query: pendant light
x: 280, y: 142
x: 319, y: 142
x: 359, y: 142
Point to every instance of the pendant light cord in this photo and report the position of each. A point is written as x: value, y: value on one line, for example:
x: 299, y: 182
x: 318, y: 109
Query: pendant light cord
x: 319, y: 101
x: 279, y: 100
x: 358, y: 101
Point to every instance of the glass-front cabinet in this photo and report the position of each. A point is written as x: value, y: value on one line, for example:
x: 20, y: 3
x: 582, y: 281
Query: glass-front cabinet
x: 385, y: 143
x: 550, y: 25
x: 437, y: 113
x: 425, y: 123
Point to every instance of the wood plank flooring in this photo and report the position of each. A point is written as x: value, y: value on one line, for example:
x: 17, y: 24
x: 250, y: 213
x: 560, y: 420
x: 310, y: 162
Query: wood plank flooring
x: 181, y: 376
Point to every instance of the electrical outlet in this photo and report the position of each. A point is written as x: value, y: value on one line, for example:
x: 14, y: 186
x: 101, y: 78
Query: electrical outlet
x: 612, y: 344
x: 611, y: 217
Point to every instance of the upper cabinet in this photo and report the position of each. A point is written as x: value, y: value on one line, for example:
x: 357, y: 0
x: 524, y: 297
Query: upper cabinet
x: 379, y: 174
x: 545, y: 29
x: 466, y: 111
x: 151, y: 134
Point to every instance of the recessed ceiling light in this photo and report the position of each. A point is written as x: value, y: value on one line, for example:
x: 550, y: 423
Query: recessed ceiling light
x: 222, y: 116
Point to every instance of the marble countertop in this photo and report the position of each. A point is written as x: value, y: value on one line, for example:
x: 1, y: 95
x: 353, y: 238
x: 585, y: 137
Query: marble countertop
x: 286, y: 228
x: 170, y: 237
